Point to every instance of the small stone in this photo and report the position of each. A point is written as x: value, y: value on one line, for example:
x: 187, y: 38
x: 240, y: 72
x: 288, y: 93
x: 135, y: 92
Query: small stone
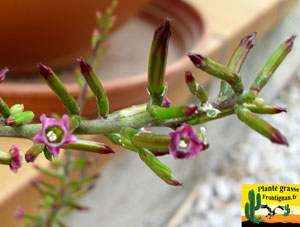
x: 222, y: 187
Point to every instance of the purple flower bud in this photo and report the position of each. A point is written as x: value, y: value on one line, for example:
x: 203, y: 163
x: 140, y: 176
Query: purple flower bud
x: 108, y: 150
x: 30, y: 157
x: 197, y: 59
x: 3, y: 74
x: 34, y: 182
x: 248, y: 41
x: 16, y: 158
x: 10, y: 121
x: 189, y: 110
x: 277, y: 137
x: 54, y: 134
x: 184, y: 143
x: 33, y: 152
x: 19, y: 213
x: 279, y: 109
x: 163, y: 31
x: 167, y: 102
x: 290, y: 41
x: 84, y: 66
x: 189, y: 77
x: 45, y: 71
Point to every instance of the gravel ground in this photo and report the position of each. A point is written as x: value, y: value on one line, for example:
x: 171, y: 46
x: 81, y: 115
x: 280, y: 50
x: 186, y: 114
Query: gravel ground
x: 254, y: 161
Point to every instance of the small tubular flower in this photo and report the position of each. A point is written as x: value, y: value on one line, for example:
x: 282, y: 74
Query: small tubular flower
x: 16, y: 158
x: 167, y: 102
x: 3, y: 74
x: 19, y: 213
x: 184, y: 143
x: 54, y: 134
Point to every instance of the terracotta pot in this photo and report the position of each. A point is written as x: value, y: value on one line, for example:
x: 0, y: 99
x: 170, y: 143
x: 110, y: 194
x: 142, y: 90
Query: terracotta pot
x: 189, y: 33
x: 52, y: 31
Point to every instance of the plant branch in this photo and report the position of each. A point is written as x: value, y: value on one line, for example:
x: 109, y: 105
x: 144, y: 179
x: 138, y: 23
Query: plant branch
x: 140, y: 120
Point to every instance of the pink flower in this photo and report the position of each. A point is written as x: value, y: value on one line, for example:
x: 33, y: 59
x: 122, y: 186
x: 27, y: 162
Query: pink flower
x: 167, y: 102
x: 30, y: 157
x: 19, y: 213
x: 16, y: 158
x: 54, y: 134
x: 3, y: 74
x: 185, y: 143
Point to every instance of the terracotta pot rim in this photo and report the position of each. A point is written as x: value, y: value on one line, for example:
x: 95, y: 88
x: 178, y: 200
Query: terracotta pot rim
x: 132, y: 81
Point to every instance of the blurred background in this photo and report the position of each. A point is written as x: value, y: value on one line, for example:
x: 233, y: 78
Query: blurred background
x: 128, y: 193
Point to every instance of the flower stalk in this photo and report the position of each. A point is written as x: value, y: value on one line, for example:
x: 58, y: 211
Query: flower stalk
x: 195, y: 88
x: 157, y: 144
x: 158, y: 62
x: 237, y: 60
x: 272, y: 64
x: 160, y: 169
x: 128, y: 112
x: 160, y: 113
x: 218, y: 70
x: 122, y: 141
x: 96, y: 87
x: 260, y: 125
x: 264, y: 109
x: 89, y: 146
x: 53, y: 81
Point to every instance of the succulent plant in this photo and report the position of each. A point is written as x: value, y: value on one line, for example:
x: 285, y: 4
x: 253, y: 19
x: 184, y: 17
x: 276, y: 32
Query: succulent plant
x: 251, y: 207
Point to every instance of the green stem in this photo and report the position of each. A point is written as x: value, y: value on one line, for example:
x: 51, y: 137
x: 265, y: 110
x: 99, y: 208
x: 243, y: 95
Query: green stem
x: 128, y: 112
x: 205, y: 118
x: 104, y: 127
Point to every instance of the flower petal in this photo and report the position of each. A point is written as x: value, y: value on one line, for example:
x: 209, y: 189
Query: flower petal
x: 183, y: 134
x: 54, y: 145
x: 16, y: 158
x: 38, y: 138
x: 65, y: 121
